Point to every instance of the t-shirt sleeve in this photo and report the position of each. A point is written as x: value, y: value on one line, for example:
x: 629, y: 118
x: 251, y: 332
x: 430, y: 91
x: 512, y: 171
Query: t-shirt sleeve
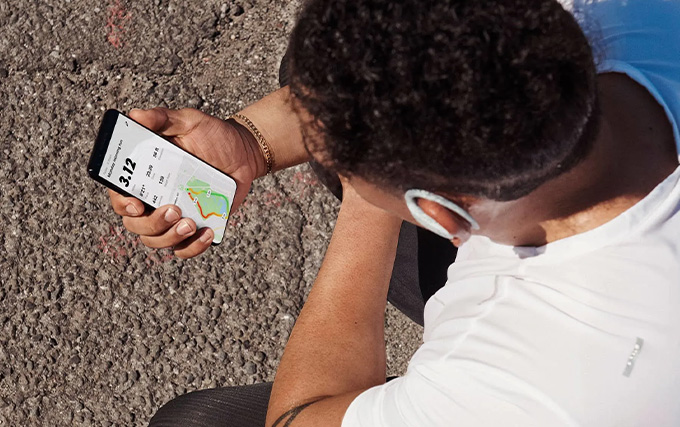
x: 640, y: 38
x: 464, y: 396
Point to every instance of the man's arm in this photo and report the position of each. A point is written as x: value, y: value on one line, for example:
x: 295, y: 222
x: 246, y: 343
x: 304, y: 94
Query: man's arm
x: 337, y: 347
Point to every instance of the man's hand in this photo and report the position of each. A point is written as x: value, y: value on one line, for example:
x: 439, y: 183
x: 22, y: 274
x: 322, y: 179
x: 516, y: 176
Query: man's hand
x: 225, y: 145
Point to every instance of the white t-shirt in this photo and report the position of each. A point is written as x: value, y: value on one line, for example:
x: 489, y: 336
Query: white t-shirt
x: 584, y: 331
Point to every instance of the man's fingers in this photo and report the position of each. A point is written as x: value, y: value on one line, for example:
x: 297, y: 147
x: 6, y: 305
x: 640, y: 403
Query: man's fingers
x: 195, y: 245
x: 160, y: 221
x: 168, y: 122
x: 125, y: 206
x: 174, y: 236
x: 154, y: 119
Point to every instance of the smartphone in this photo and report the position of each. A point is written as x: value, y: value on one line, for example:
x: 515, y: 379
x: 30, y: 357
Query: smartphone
x: 134, y: 161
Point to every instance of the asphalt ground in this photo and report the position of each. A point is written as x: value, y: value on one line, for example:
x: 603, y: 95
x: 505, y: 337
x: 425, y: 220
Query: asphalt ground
x: 96, y: 329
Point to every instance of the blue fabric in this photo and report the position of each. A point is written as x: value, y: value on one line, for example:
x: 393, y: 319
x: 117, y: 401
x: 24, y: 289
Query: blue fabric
x: 640, y: 38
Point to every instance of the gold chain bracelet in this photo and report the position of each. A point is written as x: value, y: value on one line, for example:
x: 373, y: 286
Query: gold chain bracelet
x: 266, y: 151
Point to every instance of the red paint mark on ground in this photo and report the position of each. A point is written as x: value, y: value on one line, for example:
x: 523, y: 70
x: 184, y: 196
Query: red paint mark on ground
x: 236, y: 219
x: 116, y: 20
x: 118, y: 244
x: 272, y: 198
x: 158, y: 257
x: 306, y: 180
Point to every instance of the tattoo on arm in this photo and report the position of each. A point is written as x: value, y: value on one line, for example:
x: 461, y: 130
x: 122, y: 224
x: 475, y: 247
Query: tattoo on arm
x: 293, y: 413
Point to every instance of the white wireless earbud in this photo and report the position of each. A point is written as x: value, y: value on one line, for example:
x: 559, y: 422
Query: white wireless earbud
x: 427, y: 221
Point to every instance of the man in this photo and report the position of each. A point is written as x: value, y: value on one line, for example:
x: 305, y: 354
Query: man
x: 485, y: 122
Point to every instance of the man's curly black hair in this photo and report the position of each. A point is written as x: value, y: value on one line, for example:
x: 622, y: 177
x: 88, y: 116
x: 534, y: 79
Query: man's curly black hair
x: 489, y: 98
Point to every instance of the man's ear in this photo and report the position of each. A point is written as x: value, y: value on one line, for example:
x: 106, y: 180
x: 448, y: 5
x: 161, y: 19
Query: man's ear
x: 454, y: 224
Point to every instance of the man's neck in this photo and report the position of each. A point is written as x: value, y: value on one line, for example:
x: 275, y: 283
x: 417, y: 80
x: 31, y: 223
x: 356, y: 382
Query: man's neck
x: 634, y: 152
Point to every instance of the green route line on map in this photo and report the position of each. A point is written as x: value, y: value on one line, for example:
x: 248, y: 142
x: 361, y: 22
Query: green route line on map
x: 226, y: 200
x: 191, y: 191
x: 199, y: 189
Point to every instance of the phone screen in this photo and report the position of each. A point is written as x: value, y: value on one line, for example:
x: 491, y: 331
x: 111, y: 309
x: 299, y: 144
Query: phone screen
x: 158, y: 173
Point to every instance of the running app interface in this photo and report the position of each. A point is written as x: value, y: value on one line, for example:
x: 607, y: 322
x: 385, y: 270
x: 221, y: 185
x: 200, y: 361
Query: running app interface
x: 159, y: 173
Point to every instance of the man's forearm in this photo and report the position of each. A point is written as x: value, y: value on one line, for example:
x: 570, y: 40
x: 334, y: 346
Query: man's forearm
x: 337, y: 345
x: 275, y: 118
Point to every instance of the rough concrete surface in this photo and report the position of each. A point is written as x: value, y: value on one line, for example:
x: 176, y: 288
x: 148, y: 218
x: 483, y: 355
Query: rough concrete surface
x: 96, y: 329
